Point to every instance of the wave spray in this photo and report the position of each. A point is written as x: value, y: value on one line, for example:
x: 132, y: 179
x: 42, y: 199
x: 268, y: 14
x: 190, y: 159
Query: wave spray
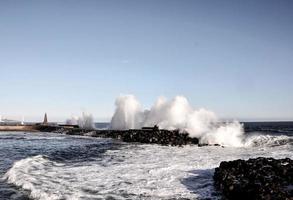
x: 85, y: 121
x: 177, y: 113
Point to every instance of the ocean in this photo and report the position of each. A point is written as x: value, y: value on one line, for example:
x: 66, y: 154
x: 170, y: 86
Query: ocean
x: 55, y: 166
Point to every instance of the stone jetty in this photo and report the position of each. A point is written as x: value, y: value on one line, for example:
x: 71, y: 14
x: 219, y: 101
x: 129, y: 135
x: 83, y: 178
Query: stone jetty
x: 260, y: 179
x: 147, y: 135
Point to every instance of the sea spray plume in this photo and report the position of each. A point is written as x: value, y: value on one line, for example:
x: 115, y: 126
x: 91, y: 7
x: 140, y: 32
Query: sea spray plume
x: 203, y: 124
x: 72, y: 121
x: 226, y: 134
x: 128, y: 113
x: 168, y: 114
x: 86, y: 121
x: 200, y: 122
x: 177, y: 114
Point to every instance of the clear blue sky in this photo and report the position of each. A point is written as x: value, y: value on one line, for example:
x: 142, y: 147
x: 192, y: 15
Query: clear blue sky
x: 63, y: 57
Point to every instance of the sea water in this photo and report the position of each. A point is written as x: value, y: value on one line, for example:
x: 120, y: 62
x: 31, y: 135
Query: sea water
x: 55, y: 166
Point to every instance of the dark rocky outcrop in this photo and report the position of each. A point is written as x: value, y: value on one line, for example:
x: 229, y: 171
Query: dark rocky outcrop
x: 260, y: 178
x: 152, y: 135
x: 163, y: 137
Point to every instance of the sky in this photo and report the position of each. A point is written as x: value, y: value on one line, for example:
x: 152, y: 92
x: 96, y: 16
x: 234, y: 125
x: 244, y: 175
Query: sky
x: 65, y: 57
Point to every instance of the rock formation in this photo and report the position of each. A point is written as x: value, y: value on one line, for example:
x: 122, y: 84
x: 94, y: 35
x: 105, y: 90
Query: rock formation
x: 260, y: 178
x: 149, y: 135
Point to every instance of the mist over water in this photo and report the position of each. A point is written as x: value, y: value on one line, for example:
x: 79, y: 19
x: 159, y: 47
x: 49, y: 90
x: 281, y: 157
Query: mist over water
x: 177, y: 113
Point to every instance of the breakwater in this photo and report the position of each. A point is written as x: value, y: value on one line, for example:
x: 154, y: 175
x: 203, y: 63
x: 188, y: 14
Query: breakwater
x: 152, y: 135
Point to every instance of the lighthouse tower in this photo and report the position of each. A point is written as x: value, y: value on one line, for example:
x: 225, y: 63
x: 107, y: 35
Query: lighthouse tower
x: 45, y: 119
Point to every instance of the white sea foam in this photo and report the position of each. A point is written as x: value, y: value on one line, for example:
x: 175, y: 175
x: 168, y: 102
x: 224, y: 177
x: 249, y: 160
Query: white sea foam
x: 133, y: 172
x: 177, y: 114
x: 267, y: 140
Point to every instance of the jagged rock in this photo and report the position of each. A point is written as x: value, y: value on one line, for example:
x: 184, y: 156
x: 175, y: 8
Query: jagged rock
x: 150, y: 136
x: 147, y: 135
x: 260, y: 178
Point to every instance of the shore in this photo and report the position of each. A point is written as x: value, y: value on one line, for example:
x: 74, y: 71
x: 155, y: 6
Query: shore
x: 18, y: 128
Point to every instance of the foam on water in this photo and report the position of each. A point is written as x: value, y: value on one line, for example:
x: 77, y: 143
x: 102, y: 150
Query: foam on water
x: 267, y: 140
x: 133, y: 172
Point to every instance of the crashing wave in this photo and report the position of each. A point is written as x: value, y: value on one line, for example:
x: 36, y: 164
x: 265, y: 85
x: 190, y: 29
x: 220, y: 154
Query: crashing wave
x: 125, y: 173
x: 268, y: 140
x: 21, y: 175
x: 177, y: 114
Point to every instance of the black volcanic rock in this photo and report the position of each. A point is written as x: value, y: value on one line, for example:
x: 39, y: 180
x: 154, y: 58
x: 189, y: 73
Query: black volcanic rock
x: 147, y: 135
x: 260, y: 178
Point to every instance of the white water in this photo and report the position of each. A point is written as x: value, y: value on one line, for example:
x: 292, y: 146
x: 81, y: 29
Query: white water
x: 135, y: 172
x: 177, y: 114
x: 257, y: 140
x: 85, y: 121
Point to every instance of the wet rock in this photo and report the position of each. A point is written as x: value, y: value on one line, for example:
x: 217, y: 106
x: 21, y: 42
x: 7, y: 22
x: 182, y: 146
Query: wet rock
x: 150, y: 136
x: 146, y: 135
x: 205, y: 144
x: 259, y: 178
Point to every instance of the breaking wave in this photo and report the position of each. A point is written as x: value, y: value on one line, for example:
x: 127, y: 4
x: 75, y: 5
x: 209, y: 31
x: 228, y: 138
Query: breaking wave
x: 125, y: 173
x: 177, y: 114
x: 268, y: 140
x: 20, y: 175
x: 122, y: 174
x: 91, y: 168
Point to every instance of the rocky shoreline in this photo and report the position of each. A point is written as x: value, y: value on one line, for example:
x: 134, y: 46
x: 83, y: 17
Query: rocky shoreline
x: 259, y: 178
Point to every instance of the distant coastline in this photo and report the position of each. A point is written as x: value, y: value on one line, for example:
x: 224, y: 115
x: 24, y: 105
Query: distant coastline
x: 248, y: 126
x: 18, y: 128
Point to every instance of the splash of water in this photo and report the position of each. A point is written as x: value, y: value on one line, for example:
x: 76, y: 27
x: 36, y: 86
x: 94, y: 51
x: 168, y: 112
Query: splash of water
x: 86, y: 121
x: 128, y: 114
x: 177, y: 114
